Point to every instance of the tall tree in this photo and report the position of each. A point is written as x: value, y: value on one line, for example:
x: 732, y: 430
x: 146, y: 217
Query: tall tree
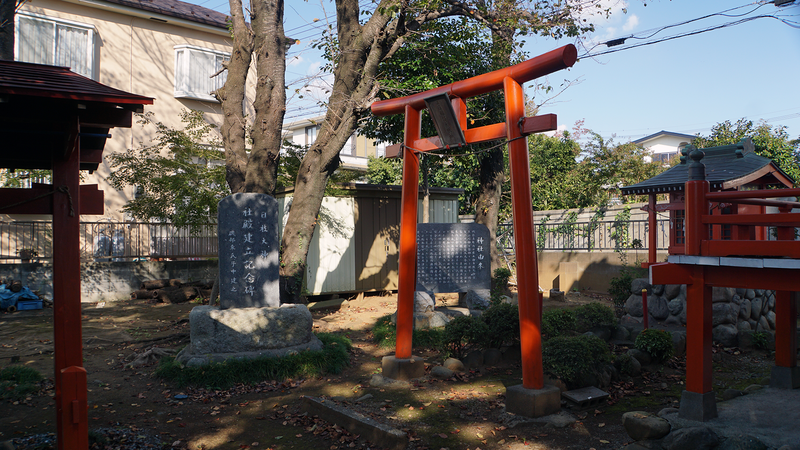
x: 8, y: 9
x: 361, y: 41
x: 770, y: 142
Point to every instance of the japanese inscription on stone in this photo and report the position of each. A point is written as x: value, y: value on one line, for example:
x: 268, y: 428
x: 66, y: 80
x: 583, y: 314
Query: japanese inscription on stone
x: 453, y: 257
x: 248, y: 251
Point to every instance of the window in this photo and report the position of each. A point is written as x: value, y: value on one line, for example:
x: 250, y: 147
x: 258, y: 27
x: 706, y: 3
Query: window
x: 678, y: 223
x: 55, y: 42
x: 194, y: 67
x: 311, y: 134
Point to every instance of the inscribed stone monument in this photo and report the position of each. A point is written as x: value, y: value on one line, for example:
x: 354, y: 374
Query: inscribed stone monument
x: 248, y: 251
x: 453, y: 257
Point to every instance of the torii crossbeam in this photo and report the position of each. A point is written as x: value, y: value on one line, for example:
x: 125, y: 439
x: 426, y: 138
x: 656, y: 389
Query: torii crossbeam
x: 516, y: 126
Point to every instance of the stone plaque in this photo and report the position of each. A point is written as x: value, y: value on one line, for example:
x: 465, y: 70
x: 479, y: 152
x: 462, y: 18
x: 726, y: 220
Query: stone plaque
x: 248, y: 251
x: 453, y: 257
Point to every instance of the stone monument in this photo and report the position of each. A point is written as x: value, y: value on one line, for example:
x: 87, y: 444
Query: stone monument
x: 250, y: 321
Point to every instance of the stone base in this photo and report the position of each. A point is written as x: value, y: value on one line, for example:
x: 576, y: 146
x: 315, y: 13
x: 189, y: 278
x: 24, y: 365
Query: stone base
x: 533, y: 402
x: 699, y: 407
x: 217, y: 335
x: 402, y: 369
x: 785, y: 377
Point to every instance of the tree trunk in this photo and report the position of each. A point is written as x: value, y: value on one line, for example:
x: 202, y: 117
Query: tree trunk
x: 7, y: 10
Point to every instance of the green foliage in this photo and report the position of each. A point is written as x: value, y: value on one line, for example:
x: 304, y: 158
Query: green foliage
x: 179, y: 178
x: 384, y: 333
x: 17, y: 382
x: 557, y: 322
x: 657, y: 343
x: 333, y: 358
x: 463, y: 334
x: 385, y: 170
x: 574, y: 359
x: 499, y: 284
x: 624, y: 363
x: 770, y: 142
x: 620, y: 228
x: 502, y: 322
x: 761, y: 340
x: 620, y: 286
x: 593, y: 315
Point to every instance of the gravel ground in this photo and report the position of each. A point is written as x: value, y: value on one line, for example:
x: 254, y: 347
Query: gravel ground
x: 101, y: 439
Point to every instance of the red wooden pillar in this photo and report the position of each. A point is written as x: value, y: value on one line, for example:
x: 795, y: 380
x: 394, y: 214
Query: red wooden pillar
x: 407, y: 270
x: 530, y: 318
x: 698, y: 333
x: 70, y: 376
x: 785, y: 315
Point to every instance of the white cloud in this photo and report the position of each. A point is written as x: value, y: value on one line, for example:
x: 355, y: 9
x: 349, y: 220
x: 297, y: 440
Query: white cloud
x: 631, y: 23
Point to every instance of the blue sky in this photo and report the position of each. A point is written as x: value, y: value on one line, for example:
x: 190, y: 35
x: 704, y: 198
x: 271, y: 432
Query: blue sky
x: 684, y: 85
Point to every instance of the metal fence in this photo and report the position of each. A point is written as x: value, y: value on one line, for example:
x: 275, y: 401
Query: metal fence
x: 589, y: 236
x: 109, y: 241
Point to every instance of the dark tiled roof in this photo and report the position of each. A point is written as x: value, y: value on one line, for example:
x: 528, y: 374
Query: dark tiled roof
x: 724, y: 163
x: 178, y: 9
x: 37, y: 80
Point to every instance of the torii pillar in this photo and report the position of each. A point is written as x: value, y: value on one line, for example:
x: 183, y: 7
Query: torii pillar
x: 531, y: 398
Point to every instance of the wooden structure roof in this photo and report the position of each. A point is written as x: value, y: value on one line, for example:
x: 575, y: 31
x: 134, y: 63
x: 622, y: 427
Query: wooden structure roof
x: 727, y: 166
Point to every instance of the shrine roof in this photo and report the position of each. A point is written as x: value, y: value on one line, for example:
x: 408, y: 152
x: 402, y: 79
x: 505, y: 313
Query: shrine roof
x: 727, y: 166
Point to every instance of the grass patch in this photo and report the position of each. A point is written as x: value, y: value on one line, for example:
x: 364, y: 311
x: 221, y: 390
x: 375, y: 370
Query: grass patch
x: 18, y: 382
x: 333, y: 358
x: 384, y: 333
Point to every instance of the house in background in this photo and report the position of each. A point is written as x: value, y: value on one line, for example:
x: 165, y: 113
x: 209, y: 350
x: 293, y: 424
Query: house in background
x: 164, y: 49
x: 664, y: 145
x: 354, y: 154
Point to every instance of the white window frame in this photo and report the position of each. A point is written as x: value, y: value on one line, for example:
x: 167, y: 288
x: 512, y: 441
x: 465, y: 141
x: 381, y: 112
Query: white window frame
x: 182, y: 88
x: 91, y: 33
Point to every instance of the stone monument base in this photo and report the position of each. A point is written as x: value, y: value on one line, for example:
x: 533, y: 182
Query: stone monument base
x: 217, y: 335
x: 533, y: 402
x: 785, y: 377
x: 402, y: 369
x: 696, y: 406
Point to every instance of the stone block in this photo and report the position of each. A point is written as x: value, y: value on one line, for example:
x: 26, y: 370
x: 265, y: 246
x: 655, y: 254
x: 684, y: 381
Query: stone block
x: 698, y: 407
x: 533, y: 402
x: 402, y: 369
x: 641, y: 425
x: 379, y: 434
x: 785, y: 377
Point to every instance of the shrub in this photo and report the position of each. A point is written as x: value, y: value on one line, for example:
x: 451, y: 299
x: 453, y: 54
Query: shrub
x: 657, y: 343
x: 463, y: 334
x: 19, y: 381
x: 761, y: 340
x: 384, y: 333
x: 499, y: 284
x: 557, y: 322
x: 502, y: 321
x: 593, y: 315
x: 620, y: 286
x: 624, y: 363
x: 333, y: 358
x: 575, y: 360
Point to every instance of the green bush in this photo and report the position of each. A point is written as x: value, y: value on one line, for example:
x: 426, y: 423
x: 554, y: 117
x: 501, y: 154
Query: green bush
x: 624, y: 364
x: 620, y: 286
x: 384, y: 333
x: 575, y: 360
x: 593, y: 315
x: 761, y: 340
x: 657, y: 343
x: 333, y: 358
x: 499, y: 284
x: 502, y: 320
x: 463, y: 334
x: 17, y: 382
x: 557, y: 322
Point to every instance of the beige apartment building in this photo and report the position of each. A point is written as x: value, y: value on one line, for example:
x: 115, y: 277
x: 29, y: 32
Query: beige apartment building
x: 164, y: 49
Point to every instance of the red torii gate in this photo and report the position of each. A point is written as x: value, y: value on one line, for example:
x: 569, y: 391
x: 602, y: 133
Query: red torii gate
x: 51, y: 118
x: 403, y: 365
x: 758, y: 264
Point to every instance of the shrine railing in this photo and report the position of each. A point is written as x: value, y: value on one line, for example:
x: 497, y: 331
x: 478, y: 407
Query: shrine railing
x: 590, y: 236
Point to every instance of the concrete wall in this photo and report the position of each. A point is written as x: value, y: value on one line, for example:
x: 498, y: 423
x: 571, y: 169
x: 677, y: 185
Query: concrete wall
x: 110, y: 281
x: 593, y: 271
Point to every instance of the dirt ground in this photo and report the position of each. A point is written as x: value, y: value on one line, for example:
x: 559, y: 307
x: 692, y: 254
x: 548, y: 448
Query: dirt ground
x: 465, y: 412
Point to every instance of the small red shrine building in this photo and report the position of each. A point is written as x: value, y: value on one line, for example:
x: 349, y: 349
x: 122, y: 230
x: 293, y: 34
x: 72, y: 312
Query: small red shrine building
x: 728, y: 168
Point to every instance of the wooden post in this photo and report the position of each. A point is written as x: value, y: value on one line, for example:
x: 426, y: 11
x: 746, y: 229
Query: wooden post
x: 698, y: 333
x: 407, y: 270
x: 530, y: 319
x: 70, y: 377
x: 696, y: 204
x: 652, y: 224
x: 785, y: 314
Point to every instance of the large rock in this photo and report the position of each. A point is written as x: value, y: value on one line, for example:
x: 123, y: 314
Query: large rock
x: 742, y: 443
x: 722, y: 294
x: 744, y: 309
x: 726, y: 335
x: 679, y: 342
x: 641, y: 425
x: 424, y: 301
x: 477, y: 298
x: 771, y: 319
x: 723, y: 313
x: 672, y: 290
x: 220, y: 334
x: 658, y: 289
x: 755, y: 312
x: 657, y: 307
x: 633, y: 305
x: 763, y: 324
x: 675, y: 306
x: 427, y: 320
x: 643, y: 357
x: 694, y: 438
x: 638, y: 284
x: 749, y: 294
